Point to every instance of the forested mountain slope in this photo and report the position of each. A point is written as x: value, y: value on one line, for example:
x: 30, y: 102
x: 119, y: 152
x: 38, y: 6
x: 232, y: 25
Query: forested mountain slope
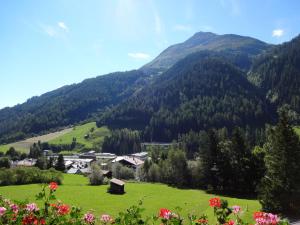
x: 277, y: 73
x: 199, y: 92
x: 67, y: 105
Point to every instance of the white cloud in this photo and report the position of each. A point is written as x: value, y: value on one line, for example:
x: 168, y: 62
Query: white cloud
x: 56, y: 31
x: 139, y: 55
x: 63, y: 26
x: 49, y: 30
x: 181, y: 27
x: 277, y: 32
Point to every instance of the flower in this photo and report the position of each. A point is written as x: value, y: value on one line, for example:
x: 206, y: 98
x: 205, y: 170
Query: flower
x: 42, y: 221
x: 31, y: 207
x: 30, y: 220
x: 53, y: 186
x: 106, y: 218
x: 89, y: 218
x: 236, y: 209
x: 63, y: 209
x: 165, y: 213
x: 14, y: 208
x: 2, y: 211
x: 230, y: 222
x: 215, y: 202
x: 262, y: 218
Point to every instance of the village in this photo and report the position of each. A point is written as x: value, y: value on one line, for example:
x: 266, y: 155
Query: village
x: 82, y: 163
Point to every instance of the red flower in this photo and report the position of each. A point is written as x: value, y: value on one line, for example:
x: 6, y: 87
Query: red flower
x: 42, y: 221
x: 165, y: 213
x: 53, y: 186
x: 230, y: 222
x: 257, y: 215
x: 29, y: 220
x: 63, y: 209
x: 215, y: 202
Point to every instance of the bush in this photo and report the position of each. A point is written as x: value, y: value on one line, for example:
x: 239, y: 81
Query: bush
x: 122, y: 172
x: 4, y: 162
x: 96, y: 177
x: 126, y: 173
x: 28, y: 175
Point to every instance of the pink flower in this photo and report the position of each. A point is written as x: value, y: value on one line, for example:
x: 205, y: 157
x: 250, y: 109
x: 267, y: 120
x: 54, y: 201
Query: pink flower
x: 2, y: 211
x: 236, y: 209
x: 14, y: 208
x: 89, y: 218
x: 106, y: 218
x: 262, y: 218
x: 31, y: 207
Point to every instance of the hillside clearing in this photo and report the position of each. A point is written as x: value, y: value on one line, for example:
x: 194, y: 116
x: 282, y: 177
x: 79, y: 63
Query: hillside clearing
x: 24, y: 146
x: 95, y: 135
x: 76, y: 191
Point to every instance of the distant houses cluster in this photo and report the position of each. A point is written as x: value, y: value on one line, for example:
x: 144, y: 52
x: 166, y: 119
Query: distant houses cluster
x: 81, y: 163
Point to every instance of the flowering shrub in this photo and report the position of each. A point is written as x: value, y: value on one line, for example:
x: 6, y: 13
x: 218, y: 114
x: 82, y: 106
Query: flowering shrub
x: 56, y: 212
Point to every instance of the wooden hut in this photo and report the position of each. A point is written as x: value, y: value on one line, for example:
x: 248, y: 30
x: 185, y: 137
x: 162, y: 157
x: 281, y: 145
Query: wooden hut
x: 116, y: 186
x: 107, y: 173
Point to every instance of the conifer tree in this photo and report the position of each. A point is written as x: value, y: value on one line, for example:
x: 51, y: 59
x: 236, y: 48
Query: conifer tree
x: 60, y: 164
x: 280, y: 187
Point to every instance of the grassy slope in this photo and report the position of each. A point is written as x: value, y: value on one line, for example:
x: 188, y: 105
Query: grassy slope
x: 65, y: 137
x: 24, y: 146
x: 76, y: 191
x: 79, y: 132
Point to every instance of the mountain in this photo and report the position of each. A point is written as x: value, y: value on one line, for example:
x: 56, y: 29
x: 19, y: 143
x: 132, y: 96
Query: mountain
x: 202, y: 91
x: 277, y: 74
x: 67, y: 105
x: 207, y: 81
x: 246, y: 47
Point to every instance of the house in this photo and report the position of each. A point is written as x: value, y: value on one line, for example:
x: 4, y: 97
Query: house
x: 116, y: 186
x: 86, y: 171
x: 88, y: 155
x: 107, y: 173
x: 74, y: 171
x: 129, y: 161
x: 25, y: 162
x: 105, y: 156
x: 141, y: 155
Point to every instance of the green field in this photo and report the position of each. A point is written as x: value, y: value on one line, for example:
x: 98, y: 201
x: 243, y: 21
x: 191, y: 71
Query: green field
x: 76, y: 191
x: 24, y: 145
x: 65, y: 137
x: 79, y: 132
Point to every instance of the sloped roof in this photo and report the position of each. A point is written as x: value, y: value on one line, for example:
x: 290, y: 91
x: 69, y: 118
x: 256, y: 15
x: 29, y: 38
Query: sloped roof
x: 73, y: 171
x: 132, y: 160
x: 117, y: 181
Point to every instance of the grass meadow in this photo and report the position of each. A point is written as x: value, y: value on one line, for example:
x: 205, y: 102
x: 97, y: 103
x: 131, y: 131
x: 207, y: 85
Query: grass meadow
x: 65, y: 137
x: 76, y: 191
x: 79, y: 132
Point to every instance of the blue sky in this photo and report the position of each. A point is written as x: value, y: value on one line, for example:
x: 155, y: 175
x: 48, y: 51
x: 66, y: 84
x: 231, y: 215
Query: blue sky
x: 47, y: 44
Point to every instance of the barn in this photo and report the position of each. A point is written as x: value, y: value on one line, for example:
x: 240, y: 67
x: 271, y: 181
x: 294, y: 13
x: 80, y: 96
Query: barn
x: 116, y: 186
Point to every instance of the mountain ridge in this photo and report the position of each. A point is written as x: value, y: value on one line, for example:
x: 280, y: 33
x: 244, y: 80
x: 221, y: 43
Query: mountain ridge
x: 205, y: 41
x: 95, y: 97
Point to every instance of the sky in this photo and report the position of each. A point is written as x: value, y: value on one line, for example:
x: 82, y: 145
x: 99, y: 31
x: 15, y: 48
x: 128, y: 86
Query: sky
x: 51, y: 43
